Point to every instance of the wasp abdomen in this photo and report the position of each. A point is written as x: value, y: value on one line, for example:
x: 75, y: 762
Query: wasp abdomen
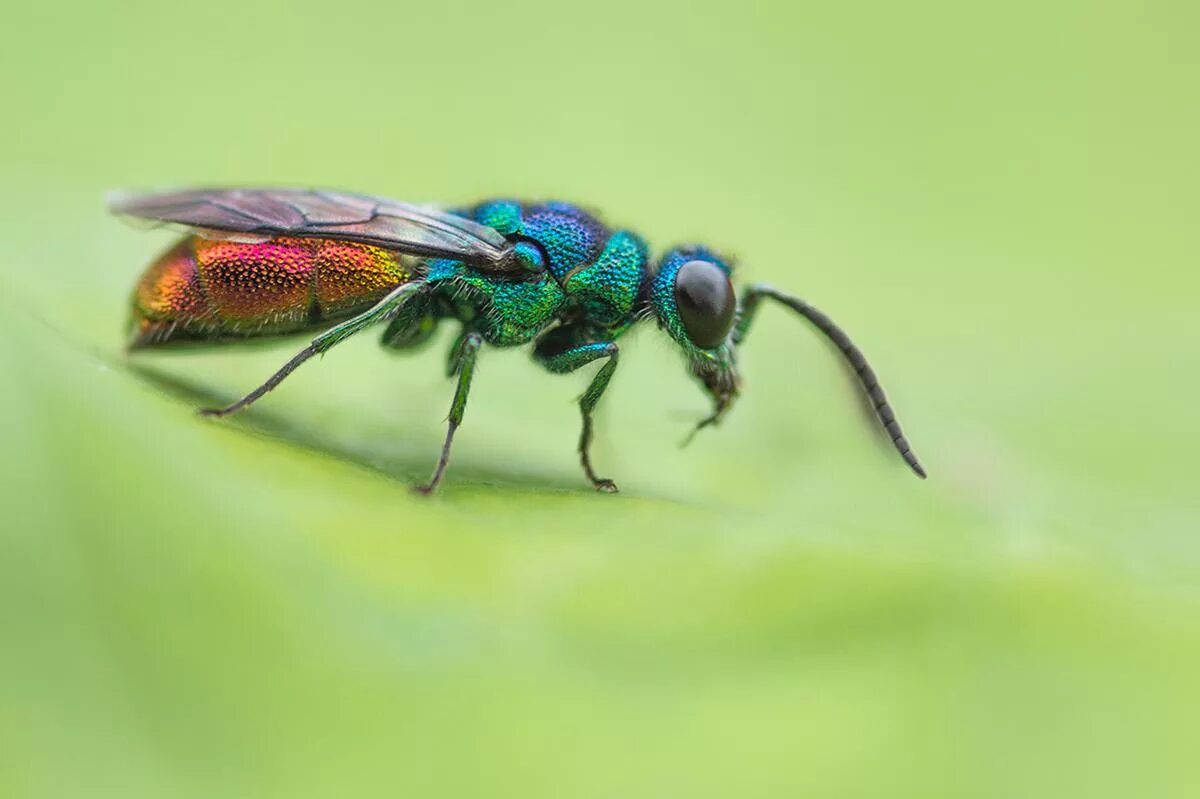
x: 204, y: 289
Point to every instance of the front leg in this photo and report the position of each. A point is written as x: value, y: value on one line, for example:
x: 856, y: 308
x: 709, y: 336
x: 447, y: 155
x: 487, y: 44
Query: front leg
x: 555, y: 352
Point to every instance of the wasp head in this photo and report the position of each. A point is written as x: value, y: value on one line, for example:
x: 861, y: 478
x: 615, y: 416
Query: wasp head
x: 693, y: 300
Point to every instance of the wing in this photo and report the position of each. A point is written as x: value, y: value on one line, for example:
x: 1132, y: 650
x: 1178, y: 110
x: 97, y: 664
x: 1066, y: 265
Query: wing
x: 306, y: 213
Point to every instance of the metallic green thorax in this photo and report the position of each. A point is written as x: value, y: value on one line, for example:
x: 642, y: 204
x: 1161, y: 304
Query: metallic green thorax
x: 579, y: 273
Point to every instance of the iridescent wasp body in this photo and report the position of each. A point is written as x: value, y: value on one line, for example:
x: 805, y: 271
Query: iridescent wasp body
x: 261, y: 262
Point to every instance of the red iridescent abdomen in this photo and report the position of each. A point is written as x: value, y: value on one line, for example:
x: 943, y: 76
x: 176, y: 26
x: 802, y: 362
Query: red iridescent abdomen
x: 203, y: 289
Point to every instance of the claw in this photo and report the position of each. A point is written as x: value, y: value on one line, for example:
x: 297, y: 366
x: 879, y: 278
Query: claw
x: 708, y: 421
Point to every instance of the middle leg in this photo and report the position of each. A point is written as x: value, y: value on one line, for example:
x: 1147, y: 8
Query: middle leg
x: 551, y: 354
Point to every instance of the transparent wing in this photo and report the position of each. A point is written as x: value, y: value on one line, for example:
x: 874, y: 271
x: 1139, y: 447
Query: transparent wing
x: 412, y: 229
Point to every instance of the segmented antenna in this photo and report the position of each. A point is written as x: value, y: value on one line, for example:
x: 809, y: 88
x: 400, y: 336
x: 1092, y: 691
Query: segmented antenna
x: 862, y: 370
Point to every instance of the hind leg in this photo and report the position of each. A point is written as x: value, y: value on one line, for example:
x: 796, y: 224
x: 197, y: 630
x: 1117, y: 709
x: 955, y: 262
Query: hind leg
x: 324, y: 342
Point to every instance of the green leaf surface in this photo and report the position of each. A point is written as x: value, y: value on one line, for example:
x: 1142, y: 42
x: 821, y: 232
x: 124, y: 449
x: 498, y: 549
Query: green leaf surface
x: 998, y: 202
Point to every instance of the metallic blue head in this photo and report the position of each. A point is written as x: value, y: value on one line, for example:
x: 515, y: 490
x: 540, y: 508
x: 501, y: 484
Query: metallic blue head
x: 693, y: 300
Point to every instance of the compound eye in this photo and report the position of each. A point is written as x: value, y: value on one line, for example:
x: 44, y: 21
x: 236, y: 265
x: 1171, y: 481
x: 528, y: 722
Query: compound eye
x: 704, y: 297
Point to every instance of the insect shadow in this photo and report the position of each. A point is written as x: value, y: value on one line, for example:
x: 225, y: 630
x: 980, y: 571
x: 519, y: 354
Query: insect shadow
x: 397, y: 465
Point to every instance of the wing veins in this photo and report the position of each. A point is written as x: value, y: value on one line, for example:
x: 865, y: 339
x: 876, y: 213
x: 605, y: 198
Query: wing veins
x: 382, y: 222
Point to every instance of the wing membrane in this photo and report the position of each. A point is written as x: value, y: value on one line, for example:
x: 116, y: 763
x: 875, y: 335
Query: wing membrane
x: 412, y: 229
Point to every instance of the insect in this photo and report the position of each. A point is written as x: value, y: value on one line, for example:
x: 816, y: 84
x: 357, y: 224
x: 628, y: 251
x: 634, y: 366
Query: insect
x: 260, y: 262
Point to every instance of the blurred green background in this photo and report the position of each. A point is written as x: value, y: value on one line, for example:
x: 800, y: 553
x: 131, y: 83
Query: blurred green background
x: 998, y: 200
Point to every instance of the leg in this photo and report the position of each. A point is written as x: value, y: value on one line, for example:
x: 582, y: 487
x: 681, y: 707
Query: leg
x: 550, y: 355
x: 412, y: 325
x: 467, y: 348
x: 852, y: 354
x: 458, y: 350
x: 721, y: 405
x: 334, y: 335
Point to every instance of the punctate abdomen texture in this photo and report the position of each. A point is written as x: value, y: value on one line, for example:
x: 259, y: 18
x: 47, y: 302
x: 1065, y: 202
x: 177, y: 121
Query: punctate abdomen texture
x: 204, y: 289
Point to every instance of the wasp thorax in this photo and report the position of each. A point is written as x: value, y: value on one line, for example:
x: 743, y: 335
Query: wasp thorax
x: 705, y: 301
